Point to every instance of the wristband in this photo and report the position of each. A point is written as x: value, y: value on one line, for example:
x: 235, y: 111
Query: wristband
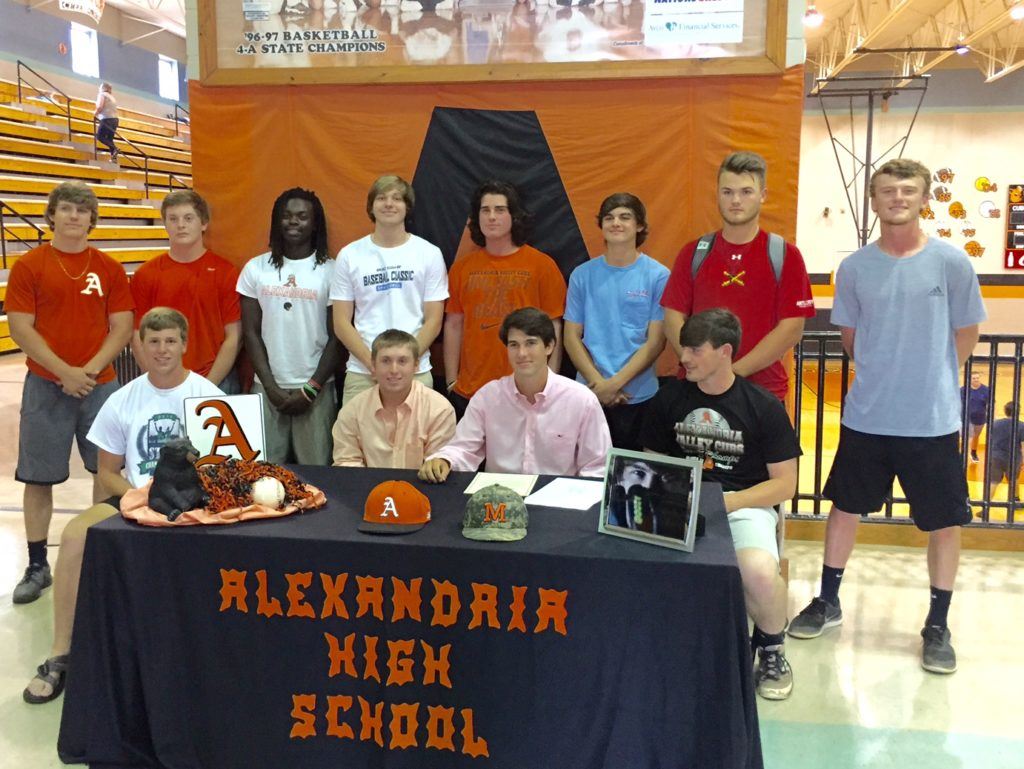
x: 308, y: 393
x: 315, y: 384
x: 450, y: 385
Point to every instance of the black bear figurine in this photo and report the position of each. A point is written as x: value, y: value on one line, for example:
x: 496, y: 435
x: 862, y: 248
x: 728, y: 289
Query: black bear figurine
x: 176, y: 485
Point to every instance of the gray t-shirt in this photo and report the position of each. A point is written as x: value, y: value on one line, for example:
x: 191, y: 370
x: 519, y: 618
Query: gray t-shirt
x: 905, y: 312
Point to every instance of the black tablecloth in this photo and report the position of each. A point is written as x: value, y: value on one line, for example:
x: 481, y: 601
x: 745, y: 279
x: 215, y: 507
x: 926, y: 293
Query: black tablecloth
x: 653, y: 671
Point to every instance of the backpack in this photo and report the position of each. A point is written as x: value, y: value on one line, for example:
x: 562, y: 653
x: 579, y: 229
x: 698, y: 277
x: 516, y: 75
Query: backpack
x: 776, y: 254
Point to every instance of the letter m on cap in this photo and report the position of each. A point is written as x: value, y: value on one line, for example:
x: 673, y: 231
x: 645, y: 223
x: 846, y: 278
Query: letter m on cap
x: 494, y: 514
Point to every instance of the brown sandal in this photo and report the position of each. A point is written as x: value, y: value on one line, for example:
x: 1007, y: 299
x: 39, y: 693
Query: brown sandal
x: 53, y: 672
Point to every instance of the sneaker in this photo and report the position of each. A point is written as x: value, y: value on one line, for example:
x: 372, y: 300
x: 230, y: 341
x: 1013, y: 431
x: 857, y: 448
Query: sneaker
x: 815, y: 619
x: 773, y: 676
x: 37, y: 577
x: 937, y: 655
x: 974, y: 456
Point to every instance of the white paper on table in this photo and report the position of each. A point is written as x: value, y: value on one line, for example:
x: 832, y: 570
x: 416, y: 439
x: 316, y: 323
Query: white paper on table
x: 520, y: 484
x: 572, y: 493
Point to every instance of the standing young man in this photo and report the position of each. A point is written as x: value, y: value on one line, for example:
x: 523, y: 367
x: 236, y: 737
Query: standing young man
x: 398, y: 421
x: 503, y: 275
x: 388, y: 279
x: 977, y: 411
x: 908, y: 307
x: 70, y: 311
x: 286, y: 321
x: 533, y: 421
x: 130, y: 429
x: 746, y: 442
x: 613, y: 319
x: 197, y: 283
x: 738, y: 272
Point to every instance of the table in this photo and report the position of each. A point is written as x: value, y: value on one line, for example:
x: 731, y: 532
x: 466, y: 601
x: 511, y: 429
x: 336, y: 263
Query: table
x: 653, y: 669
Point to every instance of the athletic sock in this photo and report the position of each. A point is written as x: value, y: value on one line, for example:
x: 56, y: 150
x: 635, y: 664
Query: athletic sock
x: 938, y: 610
x: 831, y: 579
x: 761, y: 639
x: 37, y: 552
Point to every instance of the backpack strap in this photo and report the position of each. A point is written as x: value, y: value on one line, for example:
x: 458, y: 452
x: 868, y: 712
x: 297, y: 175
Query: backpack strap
x: 776, y: 254
x: 700, y: 253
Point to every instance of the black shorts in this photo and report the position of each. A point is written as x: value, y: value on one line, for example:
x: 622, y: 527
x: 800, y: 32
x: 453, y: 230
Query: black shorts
x: 930, y: 470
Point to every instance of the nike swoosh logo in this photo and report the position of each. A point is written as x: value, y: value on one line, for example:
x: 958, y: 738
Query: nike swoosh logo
x: 485, y: 326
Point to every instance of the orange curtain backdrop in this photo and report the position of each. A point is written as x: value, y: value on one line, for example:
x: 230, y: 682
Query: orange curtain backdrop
x: 661, y: 139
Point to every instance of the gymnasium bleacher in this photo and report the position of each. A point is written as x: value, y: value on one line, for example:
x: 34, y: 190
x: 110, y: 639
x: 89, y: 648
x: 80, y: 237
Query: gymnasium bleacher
x: 37, y: 152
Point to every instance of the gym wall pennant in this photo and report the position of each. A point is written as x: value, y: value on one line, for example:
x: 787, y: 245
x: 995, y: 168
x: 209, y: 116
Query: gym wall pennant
x: 91, y: 8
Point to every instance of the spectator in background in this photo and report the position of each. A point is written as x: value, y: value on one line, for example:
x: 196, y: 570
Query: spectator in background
x: 106, y: 118
x: 288, y: 330
x: 197, y: 283
x: 977, y: 411
x: 1000, y: 445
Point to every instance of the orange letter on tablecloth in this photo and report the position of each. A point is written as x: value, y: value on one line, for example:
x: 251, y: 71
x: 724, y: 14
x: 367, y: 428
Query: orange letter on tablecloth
x: 334, y: 604
x: 399, y: 665
x: 485, y: 602
x: 436, y: 667
x: 266, y: 605
x: 518, y: 607
x: 440, y: 727
x: 403, y: 725
x: 303, y: 707
x: 371, y: 725
x: 551, y: 610
x: 370, y: 596
x: 297, y: 604
x: 334, y: 729
x: 445, y: 617
x: 229, y: 434
x: 471, y: 744
x: 370, y: 658
x: 339, y: 656
x: 406, y: 599
x: 232, y: 590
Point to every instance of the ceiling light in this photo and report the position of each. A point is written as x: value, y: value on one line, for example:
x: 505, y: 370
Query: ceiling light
x: 813, y: 18
x: 961, y: 49
x: 1017, y: 12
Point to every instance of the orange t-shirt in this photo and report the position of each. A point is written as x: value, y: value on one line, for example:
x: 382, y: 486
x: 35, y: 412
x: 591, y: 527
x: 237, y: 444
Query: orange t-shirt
x: 72, y: 305
x: 486, y: 288
x: 203, y: 291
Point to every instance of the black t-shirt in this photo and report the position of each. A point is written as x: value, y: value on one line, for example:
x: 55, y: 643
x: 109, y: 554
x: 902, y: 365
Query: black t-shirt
x: 736, y: 434
x: 1000, y: 436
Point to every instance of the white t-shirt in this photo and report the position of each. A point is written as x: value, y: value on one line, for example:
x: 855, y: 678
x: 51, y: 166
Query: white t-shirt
x: 138, y: 419
x: 389, y: 287
x: 294, y: 303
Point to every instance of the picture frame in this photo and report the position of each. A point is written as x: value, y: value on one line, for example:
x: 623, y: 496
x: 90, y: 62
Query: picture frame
x: 651, y: 498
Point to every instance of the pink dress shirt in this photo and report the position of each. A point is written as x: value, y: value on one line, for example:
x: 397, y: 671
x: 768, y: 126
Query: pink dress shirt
x: 563, y: 433
x: 362, y: 432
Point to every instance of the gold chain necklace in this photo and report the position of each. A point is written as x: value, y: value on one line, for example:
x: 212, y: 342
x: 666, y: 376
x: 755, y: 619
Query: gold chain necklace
x: 65, y: 269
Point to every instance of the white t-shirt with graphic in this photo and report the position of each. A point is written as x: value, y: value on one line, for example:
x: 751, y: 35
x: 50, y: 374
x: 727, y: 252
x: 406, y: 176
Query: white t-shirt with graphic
x: 389, y: 287
x: 294, y: 302
x: 138, y: 419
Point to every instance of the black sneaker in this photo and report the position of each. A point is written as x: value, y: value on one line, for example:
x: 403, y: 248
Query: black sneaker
x: 815, y: 619
x: 937, y: 655
x: 37, y: 577
x: 773, y: 677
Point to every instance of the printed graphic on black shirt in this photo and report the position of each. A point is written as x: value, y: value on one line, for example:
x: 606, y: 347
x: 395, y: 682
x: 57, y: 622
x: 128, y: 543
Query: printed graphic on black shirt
x: 706, y: 434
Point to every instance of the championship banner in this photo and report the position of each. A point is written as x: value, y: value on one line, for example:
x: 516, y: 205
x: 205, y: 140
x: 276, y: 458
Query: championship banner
x: 91, y: 8
x: 468, y: 40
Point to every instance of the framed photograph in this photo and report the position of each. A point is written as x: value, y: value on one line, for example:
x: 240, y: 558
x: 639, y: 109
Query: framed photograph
x: 651, y: 498
x: 253, y: 42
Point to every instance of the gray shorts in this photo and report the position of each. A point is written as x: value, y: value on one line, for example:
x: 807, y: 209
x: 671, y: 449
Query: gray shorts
x: 754, y: 527
x: 50, y: 420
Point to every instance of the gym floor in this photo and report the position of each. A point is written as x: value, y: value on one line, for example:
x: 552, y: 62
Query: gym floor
x: 860, y: 698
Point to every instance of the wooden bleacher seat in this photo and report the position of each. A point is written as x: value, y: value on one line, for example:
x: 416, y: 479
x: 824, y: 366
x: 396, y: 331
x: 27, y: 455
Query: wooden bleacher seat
x: 29, y: 208
x: 41, y: 186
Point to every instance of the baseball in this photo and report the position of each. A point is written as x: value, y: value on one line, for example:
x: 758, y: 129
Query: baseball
x: 268, y: 492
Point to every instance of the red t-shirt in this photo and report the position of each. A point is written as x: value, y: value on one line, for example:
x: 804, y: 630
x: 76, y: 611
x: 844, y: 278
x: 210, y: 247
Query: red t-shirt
x: 203, y: 291
x: 72, y: 304
x: 740, y: 278
x: 486, y: 288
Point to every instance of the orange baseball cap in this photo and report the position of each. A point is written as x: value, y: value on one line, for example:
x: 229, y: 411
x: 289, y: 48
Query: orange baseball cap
x: 395, y: 507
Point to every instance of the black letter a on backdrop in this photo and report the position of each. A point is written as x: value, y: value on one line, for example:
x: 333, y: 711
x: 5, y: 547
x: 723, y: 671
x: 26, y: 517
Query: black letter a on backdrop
x: 464, y: 147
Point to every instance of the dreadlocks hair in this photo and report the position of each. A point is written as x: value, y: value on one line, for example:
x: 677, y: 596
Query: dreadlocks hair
x: 319, y: 236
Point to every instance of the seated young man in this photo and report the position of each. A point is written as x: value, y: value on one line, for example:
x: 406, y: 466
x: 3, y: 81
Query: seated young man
x: 534, y: 421
x: 398, y: 421
x: 743, y: 436
x: 123, y: 433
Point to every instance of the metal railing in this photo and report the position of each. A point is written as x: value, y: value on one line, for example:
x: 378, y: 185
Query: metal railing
x: 180, y: 111
x: 5, y: 232
x: 171, y: 178
x: 824, y: 352
x: 48, y: 95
